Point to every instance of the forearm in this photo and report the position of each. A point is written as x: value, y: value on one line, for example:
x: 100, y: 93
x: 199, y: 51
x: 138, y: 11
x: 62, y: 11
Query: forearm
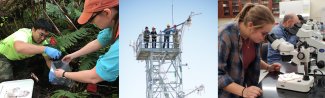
x: 234, y: 88
x: 89, y: 48
x: 48, y: 61
x: 264, y: 65
x: 29, y: 49
x: 85, y: 76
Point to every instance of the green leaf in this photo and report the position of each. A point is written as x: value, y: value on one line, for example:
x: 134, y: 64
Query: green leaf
x: 63, y: 93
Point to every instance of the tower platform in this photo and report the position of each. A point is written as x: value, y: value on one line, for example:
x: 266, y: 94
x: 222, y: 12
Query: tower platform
x: 159, y: 53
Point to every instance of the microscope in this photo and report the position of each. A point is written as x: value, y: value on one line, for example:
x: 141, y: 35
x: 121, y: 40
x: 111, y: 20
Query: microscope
x: 310, y: 38
x: 308, y: 55
x: 300, y: 57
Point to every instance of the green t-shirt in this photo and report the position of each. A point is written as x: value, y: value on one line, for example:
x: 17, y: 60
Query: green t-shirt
x: 7, y: 45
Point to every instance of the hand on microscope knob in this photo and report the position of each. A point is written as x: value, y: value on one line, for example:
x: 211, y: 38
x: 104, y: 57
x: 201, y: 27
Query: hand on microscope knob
x: 274, y: 67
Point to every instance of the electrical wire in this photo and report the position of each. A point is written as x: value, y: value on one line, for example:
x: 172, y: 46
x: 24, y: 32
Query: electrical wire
x: 321, y: 81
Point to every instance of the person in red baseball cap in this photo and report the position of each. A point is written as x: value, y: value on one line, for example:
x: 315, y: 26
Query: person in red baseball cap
x: 92, y: 8
x: 104, y: 14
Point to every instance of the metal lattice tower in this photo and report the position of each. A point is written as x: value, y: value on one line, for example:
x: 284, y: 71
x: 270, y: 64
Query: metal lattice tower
x: 163, y: 65
x: 163, y: 69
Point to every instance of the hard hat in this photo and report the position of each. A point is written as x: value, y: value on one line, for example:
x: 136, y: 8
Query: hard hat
x: 168, y: 25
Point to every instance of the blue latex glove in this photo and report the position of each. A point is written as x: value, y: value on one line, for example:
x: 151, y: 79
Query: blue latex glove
x: 52, y: 76
x: 52, y: 52
x: 58, y: 81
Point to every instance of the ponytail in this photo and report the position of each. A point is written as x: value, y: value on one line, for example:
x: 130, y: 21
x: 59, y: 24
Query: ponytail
x: 240, y: 17
x: 116, y: 27
x: 258, y: 14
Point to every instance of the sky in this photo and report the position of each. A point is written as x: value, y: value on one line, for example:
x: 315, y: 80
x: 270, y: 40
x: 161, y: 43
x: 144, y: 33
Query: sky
x: 199, y: 43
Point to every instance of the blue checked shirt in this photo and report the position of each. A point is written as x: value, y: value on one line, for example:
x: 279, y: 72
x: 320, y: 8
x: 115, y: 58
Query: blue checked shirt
x: 230, y: 62
x: 274, y: 55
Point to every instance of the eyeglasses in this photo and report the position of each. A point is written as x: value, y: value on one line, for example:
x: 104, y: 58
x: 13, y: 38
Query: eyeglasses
x: 42, y: 34
x: 93, y: 16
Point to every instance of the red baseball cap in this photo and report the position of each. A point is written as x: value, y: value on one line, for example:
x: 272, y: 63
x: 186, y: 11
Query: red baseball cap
x: 92, y: 6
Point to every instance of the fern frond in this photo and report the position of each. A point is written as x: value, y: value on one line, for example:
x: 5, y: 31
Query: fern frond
x: 64, y: 93
x: 69, y: 39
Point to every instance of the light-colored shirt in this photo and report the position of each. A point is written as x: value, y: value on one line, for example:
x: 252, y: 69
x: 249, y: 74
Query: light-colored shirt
x: 107, y: 66
x: 7, y: 45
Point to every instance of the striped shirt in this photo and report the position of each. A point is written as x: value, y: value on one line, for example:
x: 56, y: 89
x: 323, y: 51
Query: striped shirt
x: 230, y: 61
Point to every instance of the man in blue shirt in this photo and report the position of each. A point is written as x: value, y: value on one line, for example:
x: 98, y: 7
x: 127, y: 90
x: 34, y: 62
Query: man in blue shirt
x: 289, y: 21
x: 166, y: 37
x: 104, y: 14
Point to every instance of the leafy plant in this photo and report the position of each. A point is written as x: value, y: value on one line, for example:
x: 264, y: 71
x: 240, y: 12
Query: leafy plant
x: 69, y: 36
x: 3, y: 21
x: 87, y: 62
x: 71, y: 39
x: 68, y: 94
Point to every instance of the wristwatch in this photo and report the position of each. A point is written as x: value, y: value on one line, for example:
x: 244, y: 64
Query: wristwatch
x: 63, y: 74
